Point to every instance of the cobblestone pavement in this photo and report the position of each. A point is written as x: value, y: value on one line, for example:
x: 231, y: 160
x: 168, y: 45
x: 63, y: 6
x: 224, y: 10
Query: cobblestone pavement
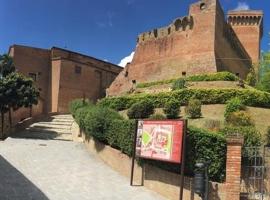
x: 60, y: 170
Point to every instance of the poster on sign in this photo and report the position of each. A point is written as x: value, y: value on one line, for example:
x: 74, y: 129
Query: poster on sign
x: 160, y: 140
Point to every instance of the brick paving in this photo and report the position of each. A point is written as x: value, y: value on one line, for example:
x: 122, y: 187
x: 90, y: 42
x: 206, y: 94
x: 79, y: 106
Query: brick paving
x: 60, y: 170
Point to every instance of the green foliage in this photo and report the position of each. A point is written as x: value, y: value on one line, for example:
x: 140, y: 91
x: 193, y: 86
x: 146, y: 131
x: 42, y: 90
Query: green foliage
x: 201, y: 144
x: 233, y: 105
x: 219, y: 76
x: 240, y: 118
x: 98, y: 121
x: 251, y: 78
x: 172, y: 109
x: 264, y: 83
x: 76, y: 104
x: 6, y: 65
x: 179, y: 84
x: 121, y: 135
x: 157, y: 116
x: 250, y: 97
x: 252, y: 137
x: 141, y: 110
x: 267, y: 138
x: 194, y: 108
x: 80, y: 115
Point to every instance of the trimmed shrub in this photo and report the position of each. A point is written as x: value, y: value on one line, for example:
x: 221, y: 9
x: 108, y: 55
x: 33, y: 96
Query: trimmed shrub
x: 219, y: 76
x: 240, y: 118
x: 252, y: 137
x: 121, y: 135
x: 141, y: 110
x: 250, y: 97
x: 267, y: 138
x: 233, y: 105
x: 194, y: 108
x: 98, y: 122
x: 172, y: 109
x: 80, y: 116
x: 251, y: 78
x: 179, y: 84
x: 76, y: 104
x: 157, y: 116
x: 107, y: 126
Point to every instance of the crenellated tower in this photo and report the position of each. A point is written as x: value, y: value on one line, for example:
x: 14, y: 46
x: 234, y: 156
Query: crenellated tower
x: 248, y: 26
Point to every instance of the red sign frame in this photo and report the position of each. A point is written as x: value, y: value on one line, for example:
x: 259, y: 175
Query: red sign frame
x: 160, y: 140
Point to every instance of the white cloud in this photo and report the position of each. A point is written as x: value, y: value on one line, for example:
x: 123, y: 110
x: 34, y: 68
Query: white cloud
x: 126, y: 60
x: 242, y: 6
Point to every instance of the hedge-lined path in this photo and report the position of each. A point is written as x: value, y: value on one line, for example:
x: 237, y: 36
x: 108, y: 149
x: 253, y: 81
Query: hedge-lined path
x: 34, y: 169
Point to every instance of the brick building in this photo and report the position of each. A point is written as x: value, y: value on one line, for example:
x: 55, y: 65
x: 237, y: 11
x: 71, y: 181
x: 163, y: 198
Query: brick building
x: 205, y: 41
x: 61, y: 76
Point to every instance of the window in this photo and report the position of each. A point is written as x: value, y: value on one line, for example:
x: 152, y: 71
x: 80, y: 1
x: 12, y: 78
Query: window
x: 202, y: 6
x: 184, y: 73
x: 33, y: 76
x: 78, y: 69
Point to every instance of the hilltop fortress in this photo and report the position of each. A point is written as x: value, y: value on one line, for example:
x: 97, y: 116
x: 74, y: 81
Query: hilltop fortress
x: 205, y: 41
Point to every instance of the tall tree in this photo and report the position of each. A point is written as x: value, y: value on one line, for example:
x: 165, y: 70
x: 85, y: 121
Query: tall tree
x: 16, y: 90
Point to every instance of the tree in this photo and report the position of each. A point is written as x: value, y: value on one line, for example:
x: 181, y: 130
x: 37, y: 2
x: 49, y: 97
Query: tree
x: 6, y: 65
x: 16, y: 90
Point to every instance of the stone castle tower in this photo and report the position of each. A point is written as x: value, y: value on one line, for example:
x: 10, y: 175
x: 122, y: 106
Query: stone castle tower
x: 202, y: 42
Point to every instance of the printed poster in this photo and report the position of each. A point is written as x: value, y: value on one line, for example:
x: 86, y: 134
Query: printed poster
x: 160, y: 140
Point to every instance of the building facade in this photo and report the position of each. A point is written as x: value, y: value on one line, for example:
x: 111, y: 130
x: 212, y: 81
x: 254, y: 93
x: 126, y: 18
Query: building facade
x: 61, y: 76
x: 205, y: 41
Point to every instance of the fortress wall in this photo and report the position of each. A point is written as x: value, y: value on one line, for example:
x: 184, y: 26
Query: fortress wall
x: 230, y: 53
x: 185, y: 46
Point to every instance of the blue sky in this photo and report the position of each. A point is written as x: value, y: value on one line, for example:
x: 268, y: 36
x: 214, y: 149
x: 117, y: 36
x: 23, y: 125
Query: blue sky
x: 106, y: 29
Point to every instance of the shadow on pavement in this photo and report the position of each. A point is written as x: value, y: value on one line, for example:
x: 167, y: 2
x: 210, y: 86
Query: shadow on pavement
x: 15, y: 186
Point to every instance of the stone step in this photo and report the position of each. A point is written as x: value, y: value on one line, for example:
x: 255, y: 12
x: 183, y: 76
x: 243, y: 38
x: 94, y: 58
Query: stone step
x: 56, y: 123
x: 43, y: 135
x: 61, y: 120
x: 62, y: 117
x: 48, y: 130
x: 50, y: 126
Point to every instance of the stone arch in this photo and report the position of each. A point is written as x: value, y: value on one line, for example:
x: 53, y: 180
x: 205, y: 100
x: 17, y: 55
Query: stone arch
x: 238, y: 20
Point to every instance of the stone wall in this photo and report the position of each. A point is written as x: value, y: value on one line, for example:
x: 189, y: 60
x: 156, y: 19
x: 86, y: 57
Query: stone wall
x: 202, y: 42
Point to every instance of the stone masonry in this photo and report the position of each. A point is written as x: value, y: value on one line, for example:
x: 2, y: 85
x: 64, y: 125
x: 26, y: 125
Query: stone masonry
x: 202, y: 42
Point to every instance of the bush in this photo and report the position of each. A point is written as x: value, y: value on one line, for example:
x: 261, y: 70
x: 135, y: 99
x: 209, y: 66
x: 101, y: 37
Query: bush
x: 233, y: 105
x: 98, y: 122
x: 121, y: 135
x: 252, y: 137
x: 179, y: 84
x: 219, y: 76
x: 172, y: 109
x: 250, y: 97
x: 251, y: 78
x: 80, y: 116
x: 107, y: 126
x: 141, y: 110
x: 240, y: 118
x: 76, y: 104
x: 194, y: 108
x: 267, y: 139
x: 157, y: 116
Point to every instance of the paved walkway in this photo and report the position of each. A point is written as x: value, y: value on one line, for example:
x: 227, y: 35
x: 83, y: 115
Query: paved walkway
x: 60, y: 170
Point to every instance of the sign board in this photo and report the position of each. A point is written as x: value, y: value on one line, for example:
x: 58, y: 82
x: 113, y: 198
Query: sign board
x: 160, y: 140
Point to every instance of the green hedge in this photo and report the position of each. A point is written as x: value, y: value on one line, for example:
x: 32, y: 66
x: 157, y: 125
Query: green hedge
x: 250, y: 97
x: 219, y: 76
x: 106, y: 126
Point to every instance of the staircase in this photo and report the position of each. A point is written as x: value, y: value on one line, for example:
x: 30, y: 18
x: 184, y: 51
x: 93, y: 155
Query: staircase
x: 56, y: 127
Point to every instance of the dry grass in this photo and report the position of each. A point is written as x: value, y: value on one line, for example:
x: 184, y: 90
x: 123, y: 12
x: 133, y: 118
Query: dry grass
x: 215, y: 113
